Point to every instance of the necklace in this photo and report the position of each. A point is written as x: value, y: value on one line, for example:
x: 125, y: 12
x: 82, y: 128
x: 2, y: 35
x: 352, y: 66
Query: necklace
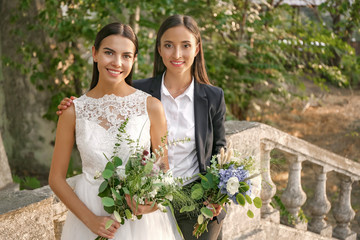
x: 179, y: 91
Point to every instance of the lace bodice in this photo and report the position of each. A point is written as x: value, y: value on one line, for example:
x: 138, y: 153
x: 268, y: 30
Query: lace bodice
x: 97, y: 123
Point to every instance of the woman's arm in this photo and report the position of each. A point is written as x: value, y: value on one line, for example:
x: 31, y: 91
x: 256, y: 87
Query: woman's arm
x: 218, y: 120
x: 158, y: 129
x: 65, y: 137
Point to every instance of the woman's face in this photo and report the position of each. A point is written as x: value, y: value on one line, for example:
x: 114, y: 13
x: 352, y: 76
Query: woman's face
x: 178, y: 48
x: 115, y: 58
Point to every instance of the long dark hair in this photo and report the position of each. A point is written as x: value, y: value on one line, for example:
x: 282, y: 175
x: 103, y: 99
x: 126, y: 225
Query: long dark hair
x: 113, y: 29
x: 198, y: 68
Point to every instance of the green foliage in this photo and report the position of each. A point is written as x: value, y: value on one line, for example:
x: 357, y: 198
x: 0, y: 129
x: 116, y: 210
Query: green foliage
x: 251, y: 50
x: 27, y: 182
x: 291, y: 219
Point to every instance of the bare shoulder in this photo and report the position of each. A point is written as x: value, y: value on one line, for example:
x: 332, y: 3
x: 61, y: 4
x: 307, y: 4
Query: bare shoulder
x: 154, y: 106
x: 69, y: 114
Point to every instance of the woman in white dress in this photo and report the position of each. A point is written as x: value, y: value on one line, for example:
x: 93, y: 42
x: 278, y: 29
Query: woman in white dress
x: 93, y: 121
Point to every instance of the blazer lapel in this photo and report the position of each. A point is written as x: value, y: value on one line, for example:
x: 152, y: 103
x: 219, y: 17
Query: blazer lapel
x: 201, y: 123
x: 156, y: 87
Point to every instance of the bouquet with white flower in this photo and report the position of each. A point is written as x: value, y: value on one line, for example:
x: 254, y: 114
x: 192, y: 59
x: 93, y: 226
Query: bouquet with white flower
x: 141, y: 179
x: 226, y: 180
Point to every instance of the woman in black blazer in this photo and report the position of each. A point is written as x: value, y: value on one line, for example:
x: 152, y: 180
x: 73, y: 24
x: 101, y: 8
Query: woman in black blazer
x: 179, y: 62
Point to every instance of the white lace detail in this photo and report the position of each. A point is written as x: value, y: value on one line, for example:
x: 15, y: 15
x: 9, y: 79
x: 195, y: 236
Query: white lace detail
x: 110, y: 111
x: 97, y: 124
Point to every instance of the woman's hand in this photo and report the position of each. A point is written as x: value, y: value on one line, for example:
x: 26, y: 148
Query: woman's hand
x: 215, y: 208
x: 64, y: 104
x: 97, y: 226
x: 140, y: 209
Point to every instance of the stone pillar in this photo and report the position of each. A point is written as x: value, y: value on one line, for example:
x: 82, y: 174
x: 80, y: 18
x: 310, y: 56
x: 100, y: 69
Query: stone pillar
x: 319, y: 205
x: 268, y: 188
x: 5, y: 173
x: 293, y: 196
x: 343, y: 212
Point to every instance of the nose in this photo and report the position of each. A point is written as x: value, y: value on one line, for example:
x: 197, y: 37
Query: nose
x: 177, y: 52
x: 117, y: 61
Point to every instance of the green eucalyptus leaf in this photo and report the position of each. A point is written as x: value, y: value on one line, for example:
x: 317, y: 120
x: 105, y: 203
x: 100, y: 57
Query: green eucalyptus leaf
x: 103, y: 186
x: 110, y: 166
x: 107, y: 173
x: 109, y: 223
x: 200, y: 219
x: 250, y: 214
x: 126, y: 191
x: 240, y: 199
x: 244, y: 187
x: 117, y: 162
x: 248, y: 199
x: 148, y: 167
x: 107, y: 202
x: 117, y: 216
x: 197, y: 192
x: 117, y: 195
x: 187, y: 209
x: 207, y: 212
x: 128, y: 214
x: 257, y: 202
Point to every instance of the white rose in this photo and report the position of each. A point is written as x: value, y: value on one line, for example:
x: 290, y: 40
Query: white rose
x: 232, y: 185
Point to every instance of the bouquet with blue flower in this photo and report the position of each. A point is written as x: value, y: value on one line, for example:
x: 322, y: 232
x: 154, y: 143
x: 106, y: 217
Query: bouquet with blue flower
x: 227, y: 180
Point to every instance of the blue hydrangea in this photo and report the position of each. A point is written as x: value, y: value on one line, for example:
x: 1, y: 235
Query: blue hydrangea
x: 226, y: 174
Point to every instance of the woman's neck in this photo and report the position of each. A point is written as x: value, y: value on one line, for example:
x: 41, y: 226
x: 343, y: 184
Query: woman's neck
x: 119, y: 89
x: 177, y: 81
x: 176, y: 84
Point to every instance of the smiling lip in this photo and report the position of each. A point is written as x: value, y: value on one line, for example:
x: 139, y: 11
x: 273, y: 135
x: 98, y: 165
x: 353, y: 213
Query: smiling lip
x: 177, y: 63
x: 114, y: 73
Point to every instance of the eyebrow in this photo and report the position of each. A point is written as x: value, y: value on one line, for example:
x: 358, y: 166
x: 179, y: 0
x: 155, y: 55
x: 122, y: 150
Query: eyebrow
x: 168, y: 41
x: 106, y: 48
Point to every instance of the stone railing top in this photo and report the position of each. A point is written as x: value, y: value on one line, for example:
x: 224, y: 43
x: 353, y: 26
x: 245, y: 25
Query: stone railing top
x: 275, y: 138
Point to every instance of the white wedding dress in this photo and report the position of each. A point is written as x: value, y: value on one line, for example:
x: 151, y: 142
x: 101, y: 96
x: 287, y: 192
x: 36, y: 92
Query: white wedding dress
x: 97, y: 123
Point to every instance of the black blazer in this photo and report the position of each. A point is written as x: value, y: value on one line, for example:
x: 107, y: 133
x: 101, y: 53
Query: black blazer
x: 210, y: 109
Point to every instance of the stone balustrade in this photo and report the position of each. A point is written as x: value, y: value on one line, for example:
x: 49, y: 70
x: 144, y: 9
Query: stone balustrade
x: 41, y: 215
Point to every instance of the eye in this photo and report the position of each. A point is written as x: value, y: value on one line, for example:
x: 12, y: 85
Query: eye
x: 127, y: 56
x: 187, y: 45
x: 109, y: 53
x: 167, y: 45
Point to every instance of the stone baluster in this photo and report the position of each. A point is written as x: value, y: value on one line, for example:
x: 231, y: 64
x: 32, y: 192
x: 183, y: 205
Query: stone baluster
x: 293, y: 196
x: 343, y: 212
x: 268, y: 188
x: 319, y: 205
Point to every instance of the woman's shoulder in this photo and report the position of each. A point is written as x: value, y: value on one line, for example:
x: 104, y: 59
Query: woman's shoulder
x: 211, y: 89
